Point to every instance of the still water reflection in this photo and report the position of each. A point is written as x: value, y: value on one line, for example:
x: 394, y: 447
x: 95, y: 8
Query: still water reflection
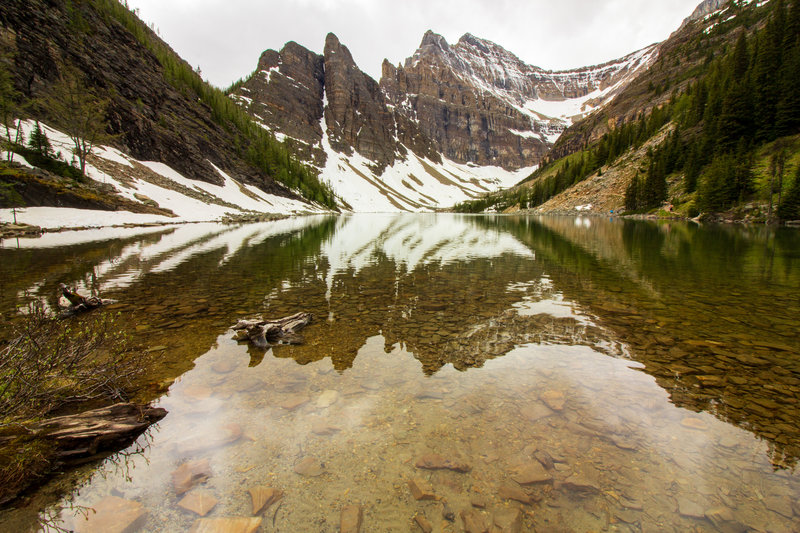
x: 573, y: 374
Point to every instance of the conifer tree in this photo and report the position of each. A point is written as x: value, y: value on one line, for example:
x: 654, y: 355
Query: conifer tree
x: 39, y: 141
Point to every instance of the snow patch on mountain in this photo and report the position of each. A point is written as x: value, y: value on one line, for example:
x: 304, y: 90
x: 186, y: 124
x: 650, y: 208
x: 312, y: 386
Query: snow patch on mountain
x: 213, y: 202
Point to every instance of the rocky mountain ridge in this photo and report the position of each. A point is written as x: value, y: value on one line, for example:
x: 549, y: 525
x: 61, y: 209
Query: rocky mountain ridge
x: 472, y: 107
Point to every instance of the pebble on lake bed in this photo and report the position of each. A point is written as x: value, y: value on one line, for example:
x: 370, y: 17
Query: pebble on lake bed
x: 198, y: 502
x: 434, y: 461
x: 309, y: 466
x: 226, y: 525
x: 421, y: 489
x: 112, y: 514
x: 350, y: 521
x: 190, y: 474
x: 264, y: 497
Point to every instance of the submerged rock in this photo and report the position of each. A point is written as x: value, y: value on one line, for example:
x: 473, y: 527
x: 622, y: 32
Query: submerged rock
x: 350, y: 520
x: 198, y: 502
x: 310, y: 467
x: 190, y: 474
x: 690, y: 508
x: 434, y: 461
x: 530, y: 473
x: 507, y: 492
x: 474, y: 521
x: 423, y: 523
x: 112, y: 515
x: 554, y: 399
x: 293, y: 402
x: 508, y: 520
x: 327, y: 398
x: 226, y: 525
x: 264, y: 497
x: 321, y: 427
x: 421, y: 489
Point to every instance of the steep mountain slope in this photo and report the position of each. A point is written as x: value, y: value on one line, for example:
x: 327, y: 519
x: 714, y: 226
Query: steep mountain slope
x: 710, y: 127
x: 482, y: 104
x: 452, y: 123
x: 159, y: 109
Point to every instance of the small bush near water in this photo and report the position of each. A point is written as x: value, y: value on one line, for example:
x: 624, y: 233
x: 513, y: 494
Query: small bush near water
x: 49, y: 363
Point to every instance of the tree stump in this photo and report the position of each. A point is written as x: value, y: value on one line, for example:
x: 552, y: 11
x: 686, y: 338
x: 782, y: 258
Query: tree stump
x: 80, y: 303
x: 262, y: 333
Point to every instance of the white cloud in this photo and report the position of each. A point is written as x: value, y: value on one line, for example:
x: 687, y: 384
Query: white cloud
x: 226, y: 37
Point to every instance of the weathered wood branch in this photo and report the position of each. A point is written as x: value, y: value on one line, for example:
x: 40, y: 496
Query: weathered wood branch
x: 84, y: 435
x: 281, y: 330
x: 80, y: 303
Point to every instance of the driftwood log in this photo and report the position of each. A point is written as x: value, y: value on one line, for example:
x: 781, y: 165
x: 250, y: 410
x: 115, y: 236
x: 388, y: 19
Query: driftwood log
x: 80, y: 303
x: 262, y: 333
x: 84, y: 435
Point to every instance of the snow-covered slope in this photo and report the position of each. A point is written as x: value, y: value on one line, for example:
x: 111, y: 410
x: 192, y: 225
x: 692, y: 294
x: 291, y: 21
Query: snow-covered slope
x: 151, y: 182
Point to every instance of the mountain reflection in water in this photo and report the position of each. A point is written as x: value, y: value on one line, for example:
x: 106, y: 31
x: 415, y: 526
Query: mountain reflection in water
x: 586, y: 345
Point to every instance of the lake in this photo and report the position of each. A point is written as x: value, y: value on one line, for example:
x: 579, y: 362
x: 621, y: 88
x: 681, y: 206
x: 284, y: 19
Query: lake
x: 531, y: 373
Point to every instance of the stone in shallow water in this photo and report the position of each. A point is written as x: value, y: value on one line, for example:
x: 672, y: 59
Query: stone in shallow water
x: 535, y: 411
x: 309, y: 466
x: 434, y: 461
x: 227, y: 434
x: 587, y: 480
x: 293, y: 402
x: 350, y: 520
x: 719, y: 516
x: 199, y: 502
x: 508, y: 520
x: 545, y: 459
x: 421, y: 489
x: 264, y: 497
x: 554, y: 399
x: 474, y: 521
x: 226, y: 525
x: 514, y: 493
x: 692, y: 422
x: 690, y: 508
x: 478, y: 500
x: 321, y: 427
x: 327, y: 398
x: 190, y: 474
x: 779, y: 504
x: 530, y: 473
x: 423, y: 523
x: 112, y: 515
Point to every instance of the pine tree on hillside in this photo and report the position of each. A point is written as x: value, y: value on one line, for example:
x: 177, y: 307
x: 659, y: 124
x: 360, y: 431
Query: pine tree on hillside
x: 736, y: 116
x: 39, y: 142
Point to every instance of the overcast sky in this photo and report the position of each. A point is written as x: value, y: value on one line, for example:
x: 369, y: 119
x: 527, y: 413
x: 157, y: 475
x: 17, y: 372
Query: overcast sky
x: 226, y: 37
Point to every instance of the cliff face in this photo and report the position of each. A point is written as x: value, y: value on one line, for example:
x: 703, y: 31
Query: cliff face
x: 480, y: 103
x: 473, y: 102
x: 153, y: 120
x: 286, y: 93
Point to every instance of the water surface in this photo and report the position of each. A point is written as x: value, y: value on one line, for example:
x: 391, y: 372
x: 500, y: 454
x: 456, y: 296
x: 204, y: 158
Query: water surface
x: 614, y: 375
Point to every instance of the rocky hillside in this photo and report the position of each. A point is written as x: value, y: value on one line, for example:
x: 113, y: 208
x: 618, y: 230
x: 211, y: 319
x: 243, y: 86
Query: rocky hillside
x: 451, y: 123
x: 481, y: 104
x: 711, y: 127
x: 159, y: 109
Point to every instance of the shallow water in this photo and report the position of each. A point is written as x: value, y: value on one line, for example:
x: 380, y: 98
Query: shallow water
x: 617, y: 375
